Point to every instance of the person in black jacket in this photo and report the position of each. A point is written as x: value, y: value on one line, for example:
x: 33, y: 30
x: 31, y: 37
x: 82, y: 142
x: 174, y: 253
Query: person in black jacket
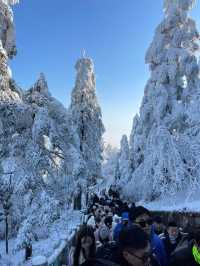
x: 85, y: 248
x: 171, y: 237
x: 189, y: 253
x: 132, y: 211
x: 142, y: 217
x: 105, y: 254
x: 134, y: 248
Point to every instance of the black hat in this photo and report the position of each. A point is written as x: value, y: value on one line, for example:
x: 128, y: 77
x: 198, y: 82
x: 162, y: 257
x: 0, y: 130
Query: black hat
x: 157, y: 219
x: 139, y: 211
x: 133, y: 236
x: 108, y: 220
x: 172, y: 224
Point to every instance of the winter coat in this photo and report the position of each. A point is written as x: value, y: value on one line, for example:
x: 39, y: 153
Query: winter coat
x: 117, y: 231
x: 158, y: 232
x: 107, y: 251
x: 154, y: 261
x: 169, y: 247
x: 158, y: 249
x: 132, y: 212
x: 183, y: 256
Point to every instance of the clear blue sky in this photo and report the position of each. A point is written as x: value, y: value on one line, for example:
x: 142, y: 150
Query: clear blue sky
x: 114, y: 33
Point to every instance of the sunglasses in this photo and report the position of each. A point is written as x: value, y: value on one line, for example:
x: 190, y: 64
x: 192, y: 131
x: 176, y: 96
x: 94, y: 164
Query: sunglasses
x: 144, y: 223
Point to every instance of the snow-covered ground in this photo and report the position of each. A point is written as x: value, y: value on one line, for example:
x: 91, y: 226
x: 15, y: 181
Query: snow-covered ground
x: 60, y: 231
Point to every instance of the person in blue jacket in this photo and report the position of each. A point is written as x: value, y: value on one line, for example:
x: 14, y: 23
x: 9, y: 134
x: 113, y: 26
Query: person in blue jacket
x: 124, y: 223
x: 142, y: 217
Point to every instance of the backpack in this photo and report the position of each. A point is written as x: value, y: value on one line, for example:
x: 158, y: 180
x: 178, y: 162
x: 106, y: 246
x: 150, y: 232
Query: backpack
x: 108, y: 251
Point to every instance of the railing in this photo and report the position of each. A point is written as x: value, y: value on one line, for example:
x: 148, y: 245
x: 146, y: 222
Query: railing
x: 181, y: 217
x: 61, y: 254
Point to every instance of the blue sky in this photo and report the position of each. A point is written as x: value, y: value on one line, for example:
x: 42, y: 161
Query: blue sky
x: 114, y: 33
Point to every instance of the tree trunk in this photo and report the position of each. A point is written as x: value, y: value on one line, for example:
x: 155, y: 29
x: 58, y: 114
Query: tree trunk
x: 77, y: 201
x: 6, y: 234
x: 28, y: 252
x: 87, y: 197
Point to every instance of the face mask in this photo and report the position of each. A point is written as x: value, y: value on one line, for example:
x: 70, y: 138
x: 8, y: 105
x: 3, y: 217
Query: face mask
x: 196, y: 254
x: 173, y: 238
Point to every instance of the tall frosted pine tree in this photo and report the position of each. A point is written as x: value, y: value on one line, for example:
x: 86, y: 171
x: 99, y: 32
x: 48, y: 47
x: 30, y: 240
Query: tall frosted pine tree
x: 87, y: 119
x: 122, y: 170
x: 164, y: 143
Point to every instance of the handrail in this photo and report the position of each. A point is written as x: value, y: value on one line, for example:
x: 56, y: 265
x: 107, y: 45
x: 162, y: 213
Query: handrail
x: 60, y: 255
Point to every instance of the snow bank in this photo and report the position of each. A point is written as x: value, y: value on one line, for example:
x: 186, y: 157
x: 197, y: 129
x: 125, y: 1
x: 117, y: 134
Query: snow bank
x: 193, y: 206
x: 39, y: 260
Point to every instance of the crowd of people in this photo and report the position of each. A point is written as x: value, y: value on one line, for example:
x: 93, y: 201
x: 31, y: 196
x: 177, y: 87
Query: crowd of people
x: 116, y: 233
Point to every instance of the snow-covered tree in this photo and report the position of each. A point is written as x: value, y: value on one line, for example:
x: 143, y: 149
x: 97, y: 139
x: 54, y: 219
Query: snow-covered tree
x: 109, y: 165
x: 123, y: 166
x: 10, y: 2
x: 116, y: 165
x: 164, y: 145
x: 39, y: 146
x: 87, y: 119
x: 8, y: 89
x: 6, y: 193
x: 54, y: 140
x: 136, y: 144
x: 43, y: 212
